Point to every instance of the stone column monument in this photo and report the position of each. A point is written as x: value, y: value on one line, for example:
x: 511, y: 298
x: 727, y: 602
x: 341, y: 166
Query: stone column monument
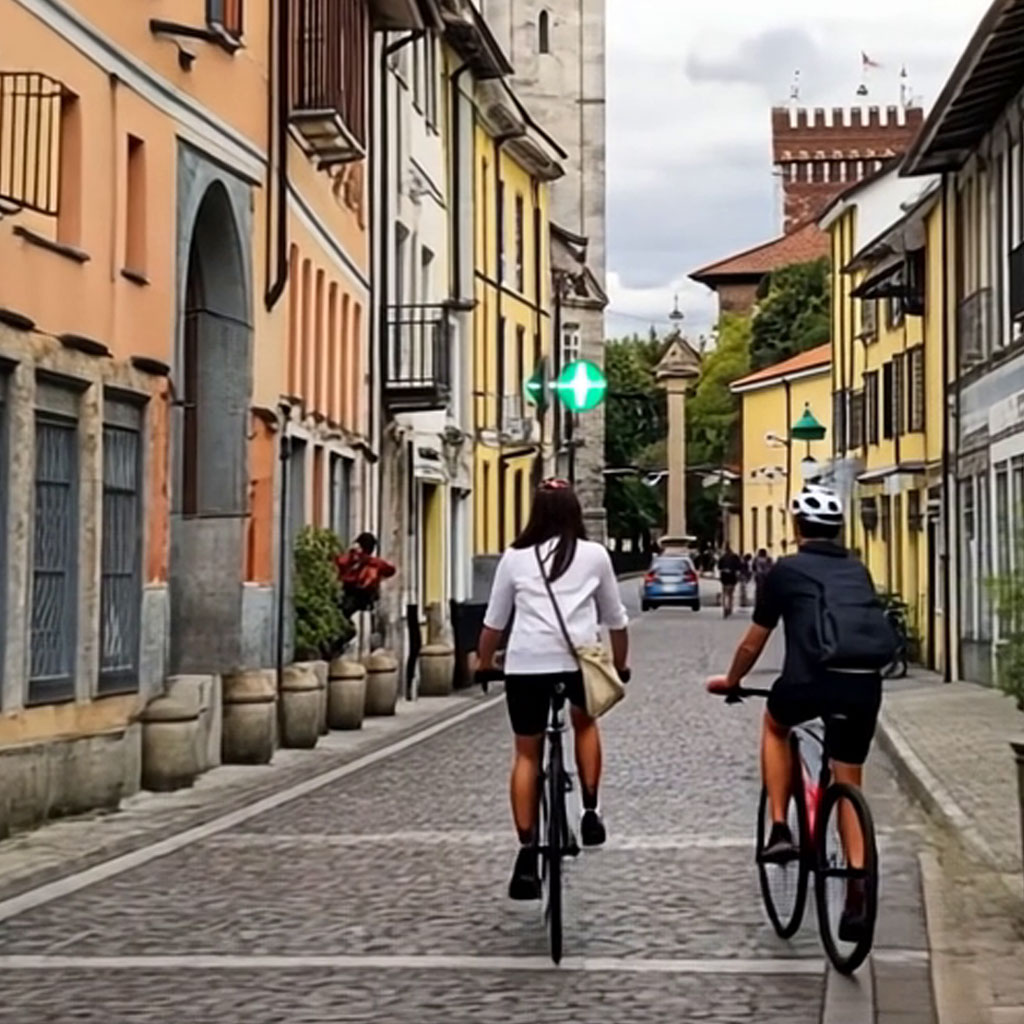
x: 678, y: 369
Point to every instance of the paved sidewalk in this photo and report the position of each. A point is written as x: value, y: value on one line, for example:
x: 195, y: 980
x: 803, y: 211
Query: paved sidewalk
x: 62, y: 847
x: 951, y: 748
x: 951, y: 743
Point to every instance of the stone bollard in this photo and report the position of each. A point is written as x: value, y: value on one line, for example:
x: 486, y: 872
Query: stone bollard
x: 437, y: 670
x: 171, y: 741
x: 1018, y: 750
x: 300, y: 707
x: 322, y: 670
x: 346, y: 695
x: 381, y: 683
x: 250, y: 717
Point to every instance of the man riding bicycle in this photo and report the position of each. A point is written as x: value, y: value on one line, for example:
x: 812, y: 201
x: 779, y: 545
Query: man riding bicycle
x: 827, y: 604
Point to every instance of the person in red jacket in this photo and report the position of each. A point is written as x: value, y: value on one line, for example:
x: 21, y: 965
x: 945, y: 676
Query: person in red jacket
x: 361, y: 572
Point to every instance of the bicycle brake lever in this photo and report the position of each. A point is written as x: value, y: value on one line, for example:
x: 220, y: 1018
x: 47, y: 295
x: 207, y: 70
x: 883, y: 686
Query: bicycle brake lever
x: 734, y: 698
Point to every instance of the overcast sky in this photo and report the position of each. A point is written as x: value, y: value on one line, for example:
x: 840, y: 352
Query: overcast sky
x: 690, y: 87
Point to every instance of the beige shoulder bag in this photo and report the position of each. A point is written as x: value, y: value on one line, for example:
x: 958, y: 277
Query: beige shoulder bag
x: 602, y: 687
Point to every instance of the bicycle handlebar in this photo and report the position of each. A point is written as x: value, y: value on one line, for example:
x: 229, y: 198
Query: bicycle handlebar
x: 742, y: 693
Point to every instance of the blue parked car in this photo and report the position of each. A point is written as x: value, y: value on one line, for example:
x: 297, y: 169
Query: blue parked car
x: 671, y: 580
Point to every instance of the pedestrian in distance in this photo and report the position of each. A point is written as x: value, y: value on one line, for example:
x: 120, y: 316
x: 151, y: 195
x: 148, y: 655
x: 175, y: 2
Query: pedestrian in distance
x: 762, y: 566
x: 730, y: 566
x: 746, y: 576
x: 552, y: 552
x: 361, y: 573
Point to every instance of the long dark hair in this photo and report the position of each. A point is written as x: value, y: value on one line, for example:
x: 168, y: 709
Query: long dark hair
x: 557, y: 513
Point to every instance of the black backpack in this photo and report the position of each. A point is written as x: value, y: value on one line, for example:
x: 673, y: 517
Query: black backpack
x: 851, y: 626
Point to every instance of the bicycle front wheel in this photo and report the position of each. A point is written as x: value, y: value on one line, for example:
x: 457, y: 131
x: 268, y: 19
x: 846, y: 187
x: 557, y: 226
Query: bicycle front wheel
x: 553, y: 845
x: 846, y: 877
x: 784, y: 886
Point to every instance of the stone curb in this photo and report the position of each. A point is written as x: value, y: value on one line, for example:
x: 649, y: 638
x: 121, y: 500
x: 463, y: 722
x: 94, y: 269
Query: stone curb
x: 245, y: 792
x: 926, y: 788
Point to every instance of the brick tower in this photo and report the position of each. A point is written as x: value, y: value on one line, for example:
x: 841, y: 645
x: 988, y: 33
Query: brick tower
x: 819, y: 153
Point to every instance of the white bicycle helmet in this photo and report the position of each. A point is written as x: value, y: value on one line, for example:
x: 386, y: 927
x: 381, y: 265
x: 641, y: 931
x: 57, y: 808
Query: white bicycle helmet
x: 815, y: 504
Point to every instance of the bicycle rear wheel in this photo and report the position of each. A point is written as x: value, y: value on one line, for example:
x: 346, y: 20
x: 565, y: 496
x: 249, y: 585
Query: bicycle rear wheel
x: 554, y: 834
x: 784, y: 886
x: 838, y: 887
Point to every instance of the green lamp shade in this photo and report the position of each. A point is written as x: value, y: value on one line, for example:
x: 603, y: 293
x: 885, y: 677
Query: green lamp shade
x: 807, y: 428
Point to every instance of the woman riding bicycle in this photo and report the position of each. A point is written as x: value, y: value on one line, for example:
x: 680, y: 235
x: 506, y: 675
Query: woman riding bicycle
x: 537, y: 657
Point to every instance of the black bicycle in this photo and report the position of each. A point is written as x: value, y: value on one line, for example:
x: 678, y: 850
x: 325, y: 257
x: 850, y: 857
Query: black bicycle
x: 896, y: 614
x: 828, y: 819
x: 556, y: 838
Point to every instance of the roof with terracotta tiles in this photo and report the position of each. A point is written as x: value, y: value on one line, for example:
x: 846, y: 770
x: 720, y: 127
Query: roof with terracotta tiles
x: 801, y: 245
x: 812, y: 359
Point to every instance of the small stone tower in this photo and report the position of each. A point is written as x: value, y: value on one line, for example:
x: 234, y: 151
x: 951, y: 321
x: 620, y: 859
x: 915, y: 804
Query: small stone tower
x: 819, y: 153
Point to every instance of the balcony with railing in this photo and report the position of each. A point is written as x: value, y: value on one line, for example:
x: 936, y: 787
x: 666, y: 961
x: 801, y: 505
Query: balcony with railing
x: 417, y: 358
x: 30, y: 134
x: 328, y: 101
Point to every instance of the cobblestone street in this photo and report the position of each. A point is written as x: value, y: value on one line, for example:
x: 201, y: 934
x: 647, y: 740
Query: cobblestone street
x: 380, y: 895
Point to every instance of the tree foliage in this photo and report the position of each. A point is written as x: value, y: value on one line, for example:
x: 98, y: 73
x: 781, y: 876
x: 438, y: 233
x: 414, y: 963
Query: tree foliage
x: 1007, y: 592
x: 713, y: 410
x: 321, y: 628
x: 636, y: 411
x: 636, y: 427
x: 793, y: 314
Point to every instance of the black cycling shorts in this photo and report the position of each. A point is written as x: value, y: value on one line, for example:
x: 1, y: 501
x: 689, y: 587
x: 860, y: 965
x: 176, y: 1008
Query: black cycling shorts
x: 856, y: 697
x: 529, y: 699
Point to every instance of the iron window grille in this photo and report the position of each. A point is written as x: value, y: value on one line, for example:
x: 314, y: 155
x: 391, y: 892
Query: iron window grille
x: 121, y: 562
x: 916, y: 384
x: 54, y: 559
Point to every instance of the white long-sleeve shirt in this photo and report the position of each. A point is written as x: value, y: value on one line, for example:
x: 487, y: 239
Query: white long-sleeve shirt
x: 587, y: 594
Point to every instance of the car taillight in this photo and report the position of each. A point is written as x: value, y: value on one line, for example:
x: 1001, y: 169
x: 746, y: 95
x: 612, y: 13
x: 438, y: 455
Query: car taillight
x: 691, y: 577
x: 650, y: 577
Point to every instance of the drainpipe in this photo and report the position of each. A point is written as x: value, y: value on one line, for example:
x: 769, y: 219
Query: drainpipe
x: 284, y: 455
x: 277, y: 117
x: 455, y: 289
x: 537, y: 342
x: 499, y: 245
x: 383, y: 225
x: 947, y: 491
x: 789, y: 456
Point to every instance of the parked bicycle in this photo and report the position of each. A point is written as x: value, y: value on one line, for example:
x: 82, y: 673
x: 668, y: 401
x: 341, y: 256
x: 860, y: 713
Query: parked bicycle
x: 897, y: 615
x: 835, y: 837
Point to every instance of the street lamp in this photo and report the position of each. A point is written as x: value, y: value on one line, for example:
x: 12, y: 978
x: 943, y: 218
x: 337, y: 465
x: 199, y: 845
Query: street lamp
x: 808, y: 429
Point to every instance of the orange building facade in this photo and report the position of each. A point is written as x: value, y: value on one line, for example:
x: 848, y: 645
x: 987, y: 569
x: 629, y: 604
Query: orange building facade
x: 183, y: 311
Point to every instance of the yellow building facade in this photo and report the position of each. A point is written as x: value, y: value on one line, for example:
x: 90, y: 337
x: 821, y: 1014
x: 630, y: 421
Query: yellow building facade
x: 773, y: 466
x: 513, y: 322
x: 888, y: 377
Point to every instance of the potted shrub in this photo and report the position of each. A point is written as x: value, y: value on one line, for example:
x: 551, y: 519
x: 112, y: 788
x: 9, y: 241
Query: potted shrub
x: 322, y: 631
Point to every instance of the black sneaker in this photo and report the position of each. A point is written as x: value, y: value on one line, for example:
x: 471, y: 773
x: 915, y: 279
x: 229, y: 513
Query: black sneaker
x: 853, y: 924
x: 592, y: 830
x: 780, y: 849
x: 525, y: 884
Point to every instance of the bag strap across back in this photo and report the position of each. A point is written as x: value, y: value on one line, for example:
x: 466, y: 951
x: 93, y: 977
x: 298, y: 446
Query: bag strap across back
x: 554, y: 604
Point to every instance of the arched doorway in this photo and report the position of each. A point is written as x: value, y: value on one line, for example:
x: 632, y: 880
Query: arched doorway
x: 213, y: 385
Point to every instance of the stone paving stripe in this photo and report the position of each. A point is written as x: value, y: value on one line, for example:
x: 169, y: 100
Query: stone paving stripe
x: 136, y: 858
x: 259, y: 962
x: 611, y: 964
x: 248, y: 840
x: 849, y: 1000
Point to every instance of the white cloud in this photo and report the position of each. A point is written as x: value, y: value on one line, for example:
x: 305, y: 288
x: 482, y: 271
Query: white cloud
x: 690, y: 88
